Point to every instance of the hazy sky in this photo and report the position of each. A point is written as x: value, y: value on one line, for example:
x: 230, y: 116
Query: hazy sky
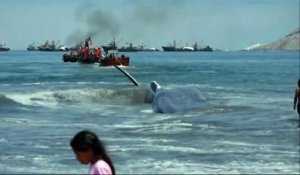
x: 222, y: 24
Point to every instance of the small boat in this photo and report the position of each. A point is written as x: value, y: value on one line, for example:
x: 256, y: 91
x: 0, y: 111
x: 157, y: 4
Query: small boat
x: 85, y: 55
x: 113, y: 59
x: 79, y: 56
x: 72, y: 57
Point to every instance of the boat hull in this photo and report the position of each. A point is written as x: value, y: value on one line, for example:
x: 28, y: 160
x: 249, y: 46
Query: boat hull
x: 32, y: 49
x: 90, y: 60
x: 205, y: 49
x: 168, y: 49
x: 4, y: 49
x: 119, y: 61
x: 79, y: 58
x: 70, y: 58
x: 128, y: 50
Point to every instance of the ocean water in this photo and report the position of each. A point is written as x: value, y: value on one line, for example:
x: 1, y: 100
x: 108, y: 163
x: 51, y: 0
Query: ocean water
x: 245, y: 125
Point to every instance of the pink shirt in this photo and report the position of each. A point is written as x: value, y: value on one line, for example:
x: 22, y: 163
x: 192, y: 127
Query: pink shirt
x: 100, y: 168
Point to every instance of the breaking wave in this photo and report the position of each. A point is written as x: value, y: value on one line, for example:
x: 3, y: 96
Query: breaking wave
x: 125, y: 96
x: 7, y: 102
x: 168, y: 100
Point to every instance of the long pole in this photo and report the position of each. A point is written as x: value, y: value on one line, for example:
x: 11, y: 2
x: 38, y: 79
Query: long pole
x: 127, y: 75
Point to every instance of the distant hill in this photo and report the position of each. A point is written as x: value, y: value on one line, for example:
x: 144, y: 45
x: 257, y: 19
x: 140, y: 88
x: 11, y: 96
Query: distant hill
x: 289, y: 42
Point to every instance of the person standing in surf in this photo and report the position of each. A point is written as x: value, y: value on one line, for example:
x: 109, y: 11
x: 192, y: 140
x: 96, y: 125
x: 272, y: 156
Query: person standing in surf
x: 89, y: 150
x: 297, y: 98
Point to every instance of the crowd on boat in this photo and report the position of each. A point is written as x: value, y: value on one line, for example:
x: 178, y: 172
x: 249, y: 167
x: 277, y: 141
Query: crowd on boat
x: 87, y: 54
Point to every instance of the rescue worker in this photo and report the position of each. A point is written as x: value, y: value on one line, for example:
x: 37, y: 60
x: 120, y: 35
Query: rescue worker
x: 86, y: 53
x: 98, y: 53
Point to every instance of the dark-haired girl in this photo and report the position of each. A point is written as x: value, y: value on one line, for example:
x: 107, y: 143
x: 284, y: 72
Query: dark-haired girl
x: 89, y: 150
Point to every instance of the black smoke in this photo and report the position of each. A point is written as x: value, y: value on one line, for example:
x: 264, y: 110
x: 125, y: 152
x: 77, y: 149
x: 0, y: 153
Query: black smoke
x: 138, y: 21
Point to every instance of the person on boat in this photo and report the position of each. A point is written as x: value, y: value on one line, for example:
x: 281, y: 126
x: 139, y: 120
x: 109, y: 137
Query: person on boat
x: 98, y: 53
x: 91, y: 53
x: 90, y: 150
x: 81, y: 51
x: 86, y: 53
x: 87, y: 41
x: 297, y: 98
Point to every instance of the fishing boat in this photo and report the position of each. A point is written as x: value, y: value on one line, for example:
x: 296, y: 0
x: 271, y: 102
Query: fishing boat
x: 170, y: 48
x: 3, y: 47
x: 129, y: 48
x: 83, y: 55
x: 52, y: 46
x: 110, y: 46
x: 112, y: 58
x: 113, y: 46
x: 205, y: 49
x: 32, y: 47
x: 142, y: 48
x: 193, y: 48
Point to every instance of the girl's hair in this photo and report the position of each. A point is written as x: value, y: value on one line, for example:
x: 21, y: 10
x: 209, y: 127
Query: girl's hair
x: 299, y: 82
x: 85, y: 140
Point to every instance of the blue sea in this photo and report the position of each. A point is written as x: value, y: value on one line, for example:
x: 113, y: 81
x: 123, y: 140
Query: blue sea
x: 246, y: 124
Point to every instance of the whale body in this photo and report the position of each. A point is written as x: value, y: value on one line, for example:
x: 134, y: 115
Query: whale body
x: 174, y: 100
x: 170, y: 100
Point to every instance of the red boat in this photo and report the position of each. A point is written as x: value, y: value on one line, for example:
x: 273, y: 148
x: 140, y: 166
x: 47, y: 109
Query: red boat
x: 112, y: 59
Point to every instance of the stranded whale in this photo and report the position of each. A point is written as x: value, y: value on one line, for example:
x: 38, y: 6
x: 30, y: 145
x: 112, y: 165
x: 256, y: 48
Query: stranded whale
x: 170, y: 100
x: 174, y: 100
